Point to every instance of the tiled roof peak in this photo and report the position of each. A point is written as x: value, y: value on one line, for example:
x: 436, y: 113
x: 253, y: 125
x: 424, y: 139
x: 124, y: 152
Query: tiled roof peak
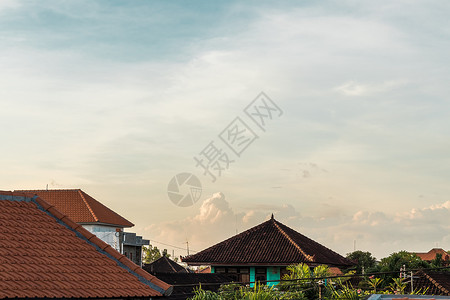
x: 81, y: 207
x: 270, y: 243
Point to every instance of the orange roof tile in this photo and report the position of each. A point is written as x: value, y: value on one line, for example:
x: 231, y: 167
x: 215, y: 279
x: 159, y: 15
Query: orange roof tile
x: 430, y: 255
x: 81, y: 207
x: 43, y: 254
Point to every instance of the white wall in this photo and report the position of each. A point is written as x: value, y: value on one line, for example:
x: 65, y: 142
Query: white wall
x: 107, y: 234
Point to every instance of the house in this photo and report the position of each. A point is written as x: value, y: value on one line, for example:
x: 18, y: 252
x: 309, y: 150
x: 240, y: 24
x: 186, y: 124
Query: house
x: 433, y: 282
x: 263, y: 252
x: 97, y: 218
x: 430, y: 255
x: 45, y: 254
x: 164, y: 265
x: 184, y: 281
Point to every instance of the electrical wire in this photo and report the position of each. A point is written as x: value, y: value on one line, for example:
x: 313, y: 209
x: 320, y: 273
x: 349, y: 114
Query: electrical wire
x: 190, y: 250
x: 313, y: 278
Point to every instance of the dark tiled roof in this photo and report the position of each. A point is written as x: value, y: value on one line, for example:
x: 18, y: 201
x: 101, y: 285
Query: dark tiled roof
x: 270, y: 243
x: 81, y: 207
x: 435, y: 283
x: 185, y: 283
x: 44, y: 254
x: 164, y: 265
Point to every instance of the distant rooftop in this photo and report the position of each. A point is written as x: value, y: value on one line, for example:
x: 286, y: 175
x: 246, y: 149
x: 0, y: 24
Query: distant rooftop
x: 81, y: 207
x: 270, y: 243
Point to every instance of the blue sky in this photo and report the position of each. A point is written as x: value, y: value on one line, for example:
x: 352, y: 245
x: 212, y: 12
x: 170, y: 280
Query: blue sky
x: 116, y: 97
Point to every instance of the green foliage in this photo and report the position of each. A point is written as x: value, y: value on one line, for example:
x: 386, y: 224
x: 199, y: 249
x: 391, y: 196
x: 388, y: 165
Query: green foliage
x: 374, y: 283
x: 437, y: 261
x: 398, y: 285
x: 200, y: 294
x: 395, y: 261
x: 347, y: 292
x: 258, y: 292
x: 302, y: 278
x: 363, y: 260
x: 153, y: 253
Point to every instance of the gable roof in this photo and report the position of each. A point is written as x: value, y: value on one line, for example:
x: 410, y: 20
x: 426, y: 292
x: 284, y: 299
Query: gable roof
x: 270, y: 243
x: 81, y: 207
x: 44, y: 254
x: 164, y: 265
x: 430, y: 255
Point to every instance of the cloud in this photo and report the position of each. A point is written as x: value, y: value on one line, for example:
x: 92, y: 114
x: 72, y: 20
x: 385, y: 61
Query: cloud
x: 353, y: 88
x: 380, y: 233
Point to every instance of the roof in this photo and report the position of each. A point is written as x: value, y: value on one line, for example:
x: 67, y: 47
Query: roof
x: 164, y: 265
x: 186, y: 283
x: 269, y: 243
x: 81, y: 207
x: 430, y: 255
x: 434, y: 283
x: 44, y: 254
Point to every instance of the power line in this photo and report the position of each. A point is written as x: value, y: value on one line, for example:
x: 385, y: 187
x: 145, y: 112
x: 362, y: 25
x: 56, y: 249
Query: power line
x: 310, y: 279
x: 190, y: 250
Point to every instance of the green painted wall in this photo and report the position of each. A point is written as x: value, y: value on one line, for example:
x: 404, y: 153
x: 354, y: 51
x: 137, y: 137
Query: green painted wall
x: 273, y: 273
x: 252, y: 276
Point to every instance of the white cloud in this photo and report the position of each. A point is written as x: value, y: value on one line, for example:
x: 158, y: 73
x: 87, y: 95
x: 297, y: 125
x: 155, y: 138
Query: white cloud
x: 353, y: 88
x: 378, y: 232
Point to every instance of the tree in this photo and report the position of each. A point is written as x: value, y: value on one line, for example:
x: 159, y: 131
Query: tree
x: 397, y: 260
x: 364, y: 260
x: 437, y: 261
x: 153, y: 253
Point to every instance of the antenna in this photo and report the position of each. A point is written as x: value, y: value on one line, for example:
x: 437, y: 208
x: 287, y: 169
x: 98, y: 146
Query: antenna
x: 187, y: 247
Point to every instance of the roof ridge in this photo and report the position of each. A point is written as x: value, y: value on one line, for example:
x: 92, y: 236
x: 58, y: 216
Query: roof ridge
x: 170, y: 264
x: 309, y: 257
x: 87, y: 204
x: 153, y: 282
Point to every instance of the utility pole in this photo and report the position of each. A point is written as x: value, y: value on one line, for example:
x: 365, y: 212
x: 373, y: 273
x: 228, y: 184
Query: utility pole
x: 320, y: 283
x: 412, y: 282
x: 187, y: 247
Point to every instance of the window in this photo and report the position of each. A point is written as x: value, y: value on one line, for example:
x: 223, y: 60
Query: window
x: 261, y: 274
x: 244, y: 274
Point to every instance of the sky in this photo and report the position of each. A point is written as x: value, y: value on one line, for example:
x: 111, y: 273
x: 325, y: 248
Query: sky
x: 118, y: 97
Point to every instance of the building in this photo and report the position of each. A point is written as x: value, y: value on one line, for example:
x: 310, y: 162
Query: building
x: 263, y: 252
x: 431, y: 282
x: 164, y: 265
x: 97, y: 218
x: 44, y: 254
x: 431, y: 255
x: 184, y: 281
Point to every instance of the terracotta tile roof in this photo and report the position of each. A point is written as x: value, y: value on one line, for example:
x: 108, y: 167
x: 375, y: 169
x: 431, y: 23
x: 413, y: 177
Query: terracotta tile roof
x: 430, y: 255
x: 270, y: 243
x: 81, y: 207
x: 44, y: 254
